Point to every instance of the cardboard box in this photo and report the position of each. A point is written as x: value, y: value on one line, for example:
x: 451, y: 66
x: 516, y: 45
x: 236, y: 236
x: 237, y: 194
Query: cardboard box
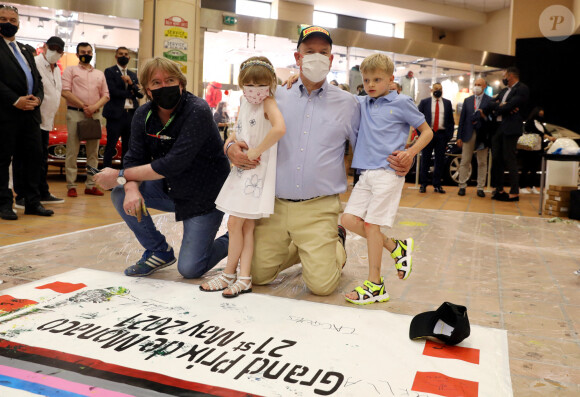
x: 561, y: 188
x: 558, y: 198
x: 559, y: 204
x: 559, y: 195
x: 563, y: 214
x: 556, y: 206
x: 557, y: 201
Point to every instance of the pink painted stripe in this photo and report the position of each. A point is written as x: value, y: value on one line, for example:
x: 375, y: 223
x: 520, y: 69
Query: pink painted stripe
x: 58, y: 383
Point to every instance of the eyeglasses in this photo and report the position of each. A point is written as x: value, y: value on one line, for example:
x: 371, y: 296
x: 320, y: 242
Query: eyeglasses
x: 9, y: 7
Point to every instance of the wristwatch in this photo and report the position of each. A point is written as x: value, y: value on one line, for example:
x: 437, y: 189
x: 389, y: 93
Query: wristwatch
x: 121, y: 178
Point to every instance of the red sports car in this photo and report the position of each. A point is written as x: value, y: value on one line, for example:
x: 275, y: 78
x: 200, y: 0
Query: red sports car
x: 57, y: 148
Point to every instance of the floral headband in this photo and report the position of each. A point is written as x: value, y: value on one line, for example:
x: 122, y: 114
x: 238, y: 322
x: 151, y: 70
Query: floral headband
x: 258, y: 63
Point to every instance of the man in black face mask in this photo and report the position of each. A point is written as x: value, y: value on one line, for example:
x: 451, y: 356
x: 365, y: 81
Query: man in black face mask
x: 508, y: 106
x: 175, y: 163
x: 124, y: 92
x: 21, y: 93
x: 438, y: 113
x: 85, y: 91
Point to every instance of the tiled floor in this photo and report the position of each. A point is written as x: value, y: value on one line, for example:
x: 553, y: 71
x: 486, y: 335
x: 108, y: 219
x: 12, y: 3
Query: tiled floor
x: 510, y: 267
x: 85, y: 212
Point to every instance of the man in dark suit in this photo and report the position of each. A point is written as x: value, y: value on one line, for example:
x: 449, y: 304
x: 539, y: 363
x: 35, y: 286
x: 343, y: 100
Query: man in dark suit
x: 124, y: 91
x: 473, y: 134
x: 21, y: 93
x: 508, y: 107
x: 439, y: 115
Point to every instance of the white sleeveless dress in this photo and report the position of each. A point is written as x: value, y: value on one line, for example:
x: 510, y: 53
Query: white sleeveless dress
x: 249, y: 194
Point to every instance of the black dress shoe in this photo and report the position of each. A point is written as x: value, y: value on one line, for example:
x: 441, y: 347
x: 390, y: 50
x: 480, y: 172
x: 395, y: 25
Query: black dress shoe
x: 461, y: 191
x: 422, y: 189
x: 480, y: 193
x: 500, y: 196
x: 506, y: 197
x: 439, y: 189
x: 38, y: 209
x: 7, y: 214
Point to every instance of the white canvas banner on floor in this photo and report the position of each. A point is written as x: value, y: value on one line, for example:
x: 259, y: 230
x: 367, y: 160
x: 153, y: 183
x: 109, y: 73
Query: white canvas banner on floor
x: 255, y: 343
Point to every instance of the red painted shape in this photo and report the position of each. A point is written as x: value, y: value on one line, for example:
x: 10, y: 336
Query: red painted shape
x: 63, y: 288
x: 443, y: 385
x: 118, y: 369
x: 440, y: 350
x: 9, y: 303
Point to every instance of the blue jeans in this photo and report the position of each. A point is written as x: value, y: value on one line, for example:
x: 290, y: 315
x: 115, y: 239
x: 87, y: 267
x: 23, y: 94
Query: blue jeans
x: 200, y: 250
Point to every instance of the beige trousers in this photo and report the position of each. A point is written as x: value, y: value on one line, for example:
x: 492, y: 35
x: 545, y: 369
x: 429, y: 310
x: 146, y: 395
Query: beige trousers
x: 72, y: 149
x: 466, y: 155
x: 300, y: 232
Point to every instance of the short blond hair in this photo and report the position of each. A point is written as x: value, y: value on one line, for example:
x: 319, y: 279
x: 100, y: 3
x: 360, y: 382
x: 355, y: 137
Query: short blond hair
x: 258, y: 70
x: 377, y: 62
x: 158, y: 63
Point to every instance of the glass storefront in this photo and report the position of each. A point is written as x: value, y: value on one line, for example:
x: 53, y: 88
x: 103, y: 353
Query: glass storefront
x: 37, y: 24
x: 104, y: 32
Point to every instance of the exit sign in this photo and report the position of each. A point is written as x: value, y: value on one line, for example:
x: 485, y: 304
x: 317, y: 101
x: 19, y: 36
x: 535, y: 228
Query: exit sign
x: 229, y: 20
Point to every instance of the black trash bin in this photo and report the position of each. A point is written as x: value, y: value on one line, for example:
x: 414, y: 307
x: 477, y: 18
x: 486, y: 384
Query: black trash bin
x: 574, y: 211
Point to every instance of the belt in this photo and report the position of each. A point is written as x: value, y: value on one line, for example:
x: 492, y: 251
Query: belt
x: 300, y: 200
x: 79, y: 109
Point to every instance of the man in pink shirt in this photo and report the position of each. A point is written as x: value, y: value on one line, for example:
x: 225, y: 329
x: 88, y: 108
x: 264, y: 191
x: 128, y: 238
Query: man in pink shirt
x: 85, y: 90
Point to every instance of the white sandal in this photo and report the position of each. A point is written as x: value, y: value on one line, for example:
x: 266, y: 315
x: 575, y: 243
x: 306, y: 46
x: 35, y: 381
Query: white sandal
x: 239, y: 287
x: 217, y: 283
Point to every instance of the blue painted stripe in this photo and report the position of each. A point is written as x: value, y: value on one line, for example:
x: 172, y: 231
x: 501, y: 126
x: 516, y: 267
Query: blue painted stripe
x: 36, y: 388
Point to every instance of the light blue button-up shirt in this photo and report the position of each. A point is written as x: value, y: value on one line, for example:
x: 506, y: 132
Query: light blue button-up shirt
x: 311, y: 153
x: 384, y: 128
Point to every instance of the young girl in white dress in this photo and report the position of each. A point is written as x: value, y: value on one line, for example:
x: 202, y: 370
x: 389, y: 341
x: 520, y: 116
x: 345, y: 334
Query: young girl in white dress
x: 248, y: 194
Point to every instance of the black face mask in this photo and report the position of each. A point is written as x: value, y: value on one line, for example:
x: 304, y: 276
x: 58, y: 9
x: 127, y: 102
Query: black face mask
x: 7, y: 29
x: 437, y: 93
x: 505, y: 82
x: 123, y: 61
x: 85, y: 58
x: 166, y: 97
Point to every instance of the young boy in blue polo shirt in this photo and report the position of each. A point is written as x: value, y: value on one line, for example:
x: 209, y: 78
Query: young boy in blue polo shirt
x: 384, y: 127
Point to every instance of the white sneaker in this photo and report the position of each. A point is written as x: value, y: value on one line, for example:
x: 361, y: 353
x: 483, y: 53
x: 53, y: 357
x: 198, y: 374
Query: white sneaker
x: 577, y: 272
x: 535, y: 191
x: 524, y: 191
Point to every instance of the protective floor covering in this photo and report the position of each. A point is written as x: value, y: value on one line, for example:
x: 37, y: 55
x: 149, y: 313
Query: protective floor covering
x: 512, y: 273
x: 172, y: 338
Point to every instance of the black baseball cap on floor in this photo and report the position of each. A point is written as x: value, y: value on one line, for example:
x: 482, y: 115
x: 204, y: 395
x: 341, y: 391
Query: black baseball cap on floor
x: 449, y: 324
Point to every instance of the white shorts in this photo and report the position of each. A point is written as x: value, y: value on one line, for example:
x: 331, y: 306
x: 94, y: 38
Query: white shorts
x: 376, y: 196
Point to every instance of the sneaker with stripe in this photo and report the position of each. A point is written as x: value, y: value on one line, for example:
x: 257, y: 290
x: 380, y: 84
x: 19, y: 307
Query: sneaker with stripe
x: 402, y: 256
x: 150, y: 262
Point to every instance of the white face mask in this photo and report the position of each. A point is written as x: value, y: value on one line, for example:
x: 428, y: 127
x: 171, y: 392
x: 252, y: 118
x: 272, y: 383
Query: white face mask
x: 477, y: 90
x: 52, y: 56
x: 315, y: 67
x: 256, y: 95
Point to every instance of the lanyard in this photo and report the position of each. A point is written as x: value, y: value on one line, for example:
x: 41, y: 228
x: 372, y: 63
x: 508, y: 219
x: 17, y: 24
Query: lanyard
x: 163, y: 129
